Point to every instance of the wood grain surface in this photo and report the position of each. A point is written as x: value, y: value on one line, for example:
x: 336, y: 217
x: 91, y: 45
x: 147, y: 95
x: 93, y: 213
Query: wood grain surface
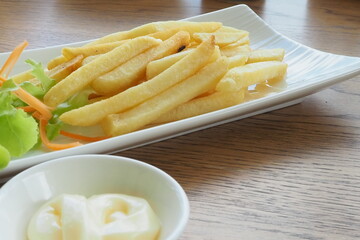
x: 289, y: 174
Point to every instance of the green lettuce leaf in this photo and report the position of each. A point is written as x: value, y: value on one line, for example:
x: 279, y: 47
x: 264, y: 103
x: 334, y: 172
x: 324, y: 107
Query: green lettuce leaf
x: 4, y: 157
x: 39, y: 73
x: 36, y: 91
x: 8, y: 86
x: 18, y: 131
x: 78, y: 100
x: 53, y: 128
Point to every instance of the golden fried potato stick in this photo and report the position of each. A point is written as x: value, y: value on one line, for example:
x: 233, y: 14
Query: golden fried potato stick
x: 158, y: 66
x: 119, y: 36
x: 83, y: 76
x: 262, y: 55
x: 237, y: 60
x: 56, y: 62
x: 241, y: 42
x: 127, y: 74
x: 145, y: 113
x: 147, y: 29
x: 22, y: 77
x: 70, y: 52
x: 93, y: 113
x: 230, y: 52
x: 155, y: 67
x: 253, y: 73
x: 190, y: 27
x: 152, y: 28
x: 227, y: 85
x: 202, y: 105
x: 58, y: 73
x: 231, y: 29
x: 89, y: 59
x: 65, y: 69
x: 221, y: 38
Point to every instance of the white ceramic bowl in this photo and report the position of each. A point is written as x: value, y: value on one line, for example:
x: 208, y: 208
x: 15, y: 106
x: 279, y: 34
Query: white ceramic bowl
x: 89, y: 175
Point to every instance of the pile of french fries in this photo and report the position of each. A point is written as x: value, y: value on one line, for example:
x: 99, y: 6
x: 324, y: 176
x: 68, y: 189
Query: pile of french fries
x: 157, y: 73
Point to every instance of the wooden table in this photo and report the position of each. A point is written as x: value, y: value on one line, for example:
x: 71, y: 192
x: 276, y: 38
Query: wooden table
x: 288, y: 174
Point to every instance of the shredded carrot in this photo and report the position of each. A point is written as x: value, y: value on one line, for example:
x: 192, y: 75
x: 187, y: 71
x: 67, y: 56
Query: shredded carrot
x: 53, y: 146
x: 36, y: 115
x: 12, y: 59
x: 40, y: 111
x: 27, y: 109
x: 81, y: 137
x: 21, y: 93
x: 32, y: 101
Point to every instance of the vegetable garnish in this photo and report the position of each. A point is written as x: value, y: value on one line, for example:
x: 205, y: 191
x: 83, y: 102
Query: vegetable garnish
x: 23, y: 115
x: 48, y: 144
x: 81, y: 137
x: 27, y: 109
x: 12, y: 59
x: 4, y: 157
x: 34, y: 102
x: 18, y: 131
x: 39, y: 73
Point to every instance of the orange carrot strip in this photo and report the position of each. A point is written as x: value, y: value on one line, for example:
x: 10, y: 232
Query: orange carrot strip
x: 21, y: 93
x: 34, y: 102
x: 12, y: 59
x: 27, y: 109
x: 36, y: 115
x: 53, y: 146
x: 81, y: 137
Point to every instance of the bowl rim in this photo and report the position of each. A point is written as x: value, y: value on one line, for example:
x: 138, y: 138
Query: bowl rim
x: 105, y: 157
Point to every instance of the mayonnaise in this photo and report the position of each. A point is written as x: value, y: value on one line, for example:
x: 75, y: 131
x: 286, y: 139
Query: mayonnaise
x: 101, y: 217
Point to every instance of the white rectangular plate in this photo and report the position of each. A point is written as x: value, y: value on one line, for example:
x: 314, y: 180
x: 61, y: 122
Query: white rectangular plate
x: 309, y: 71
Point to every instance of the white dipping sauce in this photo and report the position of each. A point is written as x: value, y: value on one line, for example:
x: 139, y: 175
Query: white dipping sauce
x: 101, y: 217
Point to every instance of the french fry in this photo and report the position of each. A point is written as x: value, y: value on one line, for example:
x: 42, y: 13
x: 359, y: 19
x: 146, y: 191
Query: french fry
x: 266, y: 55
x: 22, y: 77
x: 242, y: 41
x: 230, y: 52
x: 202, y: 105
x: 89, y: 59
x: 151, y: 28
x: 155, y: 67
x: 190, y: 27
x: 163, y: 35
x: 65, y: 69
x: 250, y: 74
x: 276, y: 81
x: 215, y: 55
x: 56, y: 62
x: 147, y: 112
x: 227, y: 85
x: 58, y: 73
x: 237, y: 60
x: 71, y: 52
x: 131, y: 97
x: 231, y: 29
x: 193, y: 44
x: 221, y: 38
x: 127, y: 74
x: 83, y: 76
x: 133, y: 33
